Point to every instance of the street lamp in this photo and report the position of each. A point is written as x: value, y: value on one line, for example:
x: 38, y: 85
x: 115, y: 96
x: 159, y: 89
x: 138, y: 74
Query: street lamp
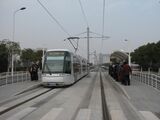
x: 14, y: 14
x: 129, y: 56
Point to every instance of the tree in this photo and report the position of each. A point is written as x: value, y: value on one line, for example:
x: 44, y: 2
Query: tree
x: 148, y: 56
x: 39, y: 55
x: 3, y: 57
x: 28, y: 56
x: 7, y: 48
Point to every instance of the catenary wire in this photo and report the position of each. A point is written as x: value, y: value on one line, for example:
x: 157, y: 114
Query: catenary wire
x: 103, y: 16
x: 53, y: 18
x: 85, y: 18
x: 103, y: 19
x: 84, y: 15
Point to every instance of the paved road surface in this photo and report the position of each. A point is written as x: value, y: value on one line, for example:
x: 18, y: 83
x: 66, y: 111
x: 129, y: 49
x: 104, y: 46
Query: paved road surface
x: 82, y: 101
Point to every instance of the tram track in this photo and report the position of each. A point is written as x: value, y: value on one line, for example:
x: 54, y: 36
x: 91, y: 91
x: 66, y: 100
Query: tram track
x: 28, y: 89
x: 105, y: 111
x: 95, y: 98
x: 84, y: 105
x: 56, y: 98
x: 86, y: 100
x: 20, y: 94
x: 48, y: 98
x: 9, y: 105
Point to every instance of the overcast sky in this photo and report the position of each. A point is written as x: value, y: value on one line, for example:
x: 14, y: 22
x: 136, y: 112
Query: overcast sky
x: 138, y: 21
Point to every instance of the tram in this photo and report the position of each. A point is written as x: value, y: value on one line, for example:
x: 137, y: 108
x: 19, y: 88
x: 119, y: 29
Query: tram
x: 62, y: 67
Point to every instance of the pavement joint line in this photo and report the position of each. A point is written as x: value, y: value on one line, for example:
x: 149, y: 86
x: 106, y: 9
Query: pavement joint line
x: 83, y: 114
x: 115, y: 112
x: 16, y: 94
x: 149, y: 115
x: 27, y: 89
x: 134, y: 109
x: 20, y: 115
x: 117, y: 115
x: 115, y: 109
x: 87, y: 96
x: 22, y: 102
x: 106, y: 113
x: 124, y: 91
x: 122, y: 88
x: 52, y: 114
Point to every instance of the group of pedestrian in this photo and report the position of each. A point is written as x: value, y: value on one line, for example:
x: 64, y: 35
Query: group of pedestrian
x: 33, y: 70
x: 121, y: 72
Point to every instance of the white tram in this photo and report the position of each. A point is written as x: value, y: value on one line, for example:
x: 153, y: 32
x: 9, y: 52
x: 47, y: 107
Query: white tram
x: 61, y: 67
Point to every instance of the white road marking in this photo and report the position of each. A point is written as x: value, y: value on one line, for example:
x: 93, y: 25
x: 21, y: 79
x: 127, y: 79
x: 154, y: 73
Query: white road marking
x: 84, y: 114
x: 22, y: 113
x: 52, y: 115
x: 149, y: 115
x: 117, y: 115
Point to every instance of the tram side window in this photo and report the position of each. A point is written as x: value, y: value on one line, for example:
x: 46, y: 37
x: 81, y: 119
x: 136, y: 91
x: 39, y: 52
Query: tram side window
x: 76, y: 65
x: 84, y: 66
x: 67, y: 64
x: 77, y: 68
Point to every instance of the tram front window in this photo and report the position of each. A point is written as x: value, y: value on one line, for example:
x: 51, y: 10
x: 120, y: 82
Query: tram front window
x: 55, y: 62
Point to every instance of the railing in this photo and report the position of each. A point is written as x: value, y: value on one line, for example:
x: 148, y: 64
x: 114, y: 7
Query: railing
x: 21, y: 76
x: 149, y: 79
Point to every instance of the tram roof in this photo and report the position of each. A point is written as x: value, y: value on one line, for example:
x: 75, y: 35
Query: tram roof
x: 67, y: 51
x: 59, y: 50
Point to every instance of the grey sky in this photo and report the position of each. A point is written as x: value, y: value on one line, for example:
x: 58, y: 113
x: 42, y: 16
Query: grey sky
x: 135, y: 20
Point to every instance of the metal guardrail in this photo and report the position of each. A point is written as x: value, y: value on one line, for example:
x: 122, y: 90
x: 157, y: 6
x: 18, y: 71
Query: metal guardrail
x: 21, y: 76
x: 149, y: 79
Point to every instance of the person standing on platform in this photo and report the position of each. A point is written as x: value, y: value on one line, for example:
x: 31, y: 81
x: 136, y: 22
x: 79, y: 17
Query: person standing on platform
x: 34, y: 71
x: 126, y: 72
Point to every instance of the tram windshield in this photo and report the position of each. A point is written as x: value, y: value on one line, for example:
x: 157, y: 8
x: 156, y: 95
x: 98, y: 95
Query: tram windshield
x: 57, y: 62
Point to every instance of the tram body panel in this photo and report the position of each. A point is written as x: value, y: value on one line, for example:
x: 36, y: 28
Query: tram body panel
x: 61, y: 67
x: 57, y: 80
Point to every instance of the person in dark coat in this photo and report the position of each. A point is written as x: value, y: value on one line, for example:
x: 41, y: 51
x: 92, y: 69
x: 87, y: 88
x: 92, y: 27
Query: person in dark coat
x: 34, y: 71
x: 30, y: 71
x: 120, y: 73
x: 126, y: 72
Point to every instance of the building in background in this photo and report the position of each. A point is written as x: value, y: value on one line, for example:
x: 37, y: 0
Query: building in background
x: 104, y: 58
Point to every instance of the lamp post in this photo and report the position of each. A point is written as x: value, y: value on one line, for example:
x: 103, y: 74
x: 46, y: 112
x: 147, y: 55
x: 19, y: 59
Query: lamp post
x: 129, y: 56
x: 14, y: 14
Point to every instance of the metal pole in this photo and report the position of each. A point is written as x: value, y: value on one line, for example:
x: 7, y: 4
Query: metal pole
x: 129, y: 56
x: 88, y: 47
x: 129, y: 59
x: 14, y: 14
x: 12, y: 69
x: 43, y: 58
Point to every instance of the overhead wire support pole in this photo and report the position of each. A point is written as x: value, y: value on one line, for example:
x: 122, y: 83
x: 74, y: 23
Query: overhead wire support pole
x: 103, y: 18
x: 103, y: 25
x: 88, y: 42
x: 88, y: 48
